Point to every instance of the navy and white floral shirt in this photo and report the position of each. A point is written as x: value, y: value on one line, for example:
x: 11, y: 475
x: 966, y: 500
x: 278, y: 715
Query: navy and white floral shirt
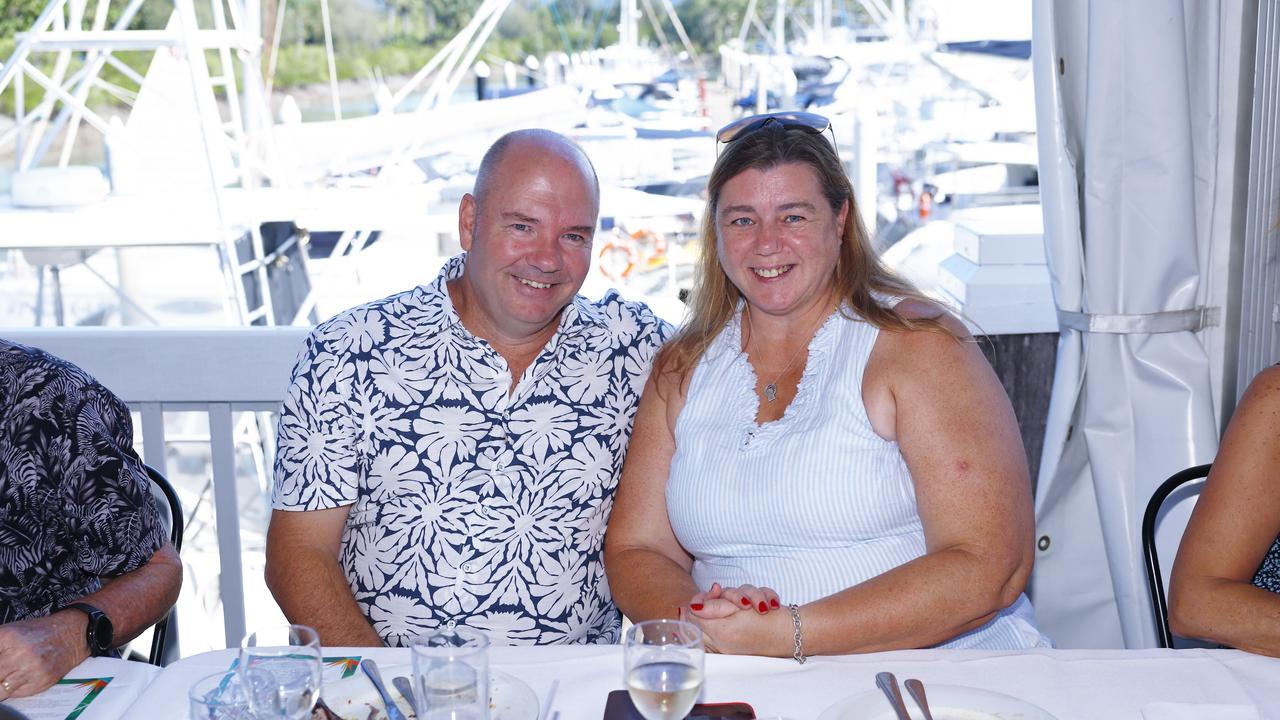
x: 470, y: 505
x: 75, y: 500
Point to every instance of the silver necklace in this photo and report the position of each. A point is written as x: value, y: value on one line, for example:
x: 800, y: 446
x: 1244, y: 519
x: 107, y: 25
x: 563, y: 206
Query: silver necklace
x: 771, y: 390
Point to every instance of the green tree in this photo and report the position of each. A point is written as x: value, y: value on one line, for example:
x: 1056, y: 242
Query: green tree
x: 710, y: 23
x: 18, y: 16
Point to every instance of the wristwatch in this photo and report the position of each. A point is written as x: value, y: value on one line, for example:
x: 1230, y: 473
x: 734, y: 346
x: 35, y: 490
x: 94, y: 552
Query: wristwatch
x: 99, y: 634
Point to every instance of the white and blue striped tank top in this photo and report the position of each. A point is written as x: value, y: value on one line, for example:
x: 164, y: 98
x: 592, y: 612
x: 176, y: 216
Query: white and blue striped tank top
x: 812, y: 503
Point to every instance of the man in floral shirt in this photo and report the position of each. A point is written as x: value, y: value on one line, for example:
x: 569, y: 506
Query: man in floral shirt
x: 448, y: 455
x: 85, y: 564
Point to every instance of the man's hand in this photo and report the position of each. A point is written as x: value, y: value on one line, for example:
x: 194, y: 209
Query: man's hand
x: 38, y: 652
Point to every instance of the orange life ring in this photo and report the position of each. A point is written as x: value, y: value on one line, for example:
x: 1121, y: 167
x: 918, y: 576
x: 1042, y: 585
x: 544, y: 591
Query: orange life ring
x: 651, y: 248
x: 622, y: 244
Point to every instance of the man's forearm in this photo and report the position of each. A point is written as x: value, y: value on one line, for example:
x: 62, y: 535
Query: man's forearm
x: 36, y: 652
x: 311, y: 590
x: 137, y: 600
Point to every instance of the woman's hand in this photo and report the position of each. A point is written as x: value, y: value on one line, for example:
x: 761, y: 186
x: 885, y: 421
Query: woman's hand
x: 721, y: 602
x: 744, y: 633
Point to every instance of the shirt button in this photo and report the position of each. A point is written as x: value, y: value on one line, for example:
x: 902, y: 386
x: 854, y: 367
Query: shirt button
x: 469, y: 566
x: 451, y: 624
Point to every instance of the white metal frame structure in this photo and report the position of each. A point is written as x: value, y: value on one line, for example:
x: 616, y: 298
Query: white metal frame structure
x: 64, y: 30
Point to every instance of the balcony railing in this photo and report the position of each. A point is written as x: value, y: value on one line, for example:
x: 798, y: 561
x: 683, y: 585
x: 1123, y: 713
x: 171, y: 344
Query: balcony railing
x: 213, y: 371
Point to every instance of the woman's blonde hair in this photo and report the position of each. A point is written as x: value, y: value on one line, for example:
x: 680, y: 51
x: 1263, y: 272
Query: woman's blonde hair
x: 858, y: 273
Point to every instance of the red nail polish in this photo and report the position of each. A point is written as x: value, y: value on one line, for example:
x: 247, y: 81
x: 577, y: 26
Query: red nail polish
x: 746, y: 602
x: 696, y: 606
x: 763, y: 607
x: 774, y: 603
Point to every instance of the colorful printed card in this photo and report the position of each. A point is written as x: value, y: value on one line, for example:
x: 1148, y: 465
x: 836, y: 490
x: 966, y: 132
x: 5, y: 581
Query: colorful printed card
x: 66, y: 700
x: 335, y: 668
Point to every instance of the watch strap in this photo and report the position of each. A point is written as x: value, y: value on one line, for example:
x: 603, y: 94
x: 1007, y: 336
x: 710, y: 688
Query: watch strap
x: 98, y: 623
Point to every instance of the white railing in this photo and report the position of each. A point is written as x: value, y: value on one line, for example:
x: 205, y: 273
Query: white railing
x: 216, y: 371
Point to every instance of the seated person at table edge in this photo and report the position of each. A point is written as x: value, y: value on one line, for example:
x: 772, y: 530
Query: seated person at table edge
x: 1225, y: 585
x: 448, y: 455
x: 85, y: 564
x: 823, y: 461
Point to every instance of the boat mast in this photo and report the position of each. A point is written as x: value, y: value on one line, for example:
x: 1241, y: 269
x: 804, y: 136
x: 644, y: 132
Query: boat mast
x: 780, y: 27
x: 629, y: 25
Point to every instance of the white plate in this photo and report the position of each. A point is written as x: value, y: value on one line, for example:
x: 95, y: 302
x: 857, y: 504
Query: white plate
x: 946, y: 702
x: 353, y: 698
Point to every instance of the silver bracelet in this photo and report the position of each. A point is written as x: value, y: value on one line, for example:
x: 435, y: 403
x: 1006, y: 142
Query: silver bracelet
x: 795, y: 620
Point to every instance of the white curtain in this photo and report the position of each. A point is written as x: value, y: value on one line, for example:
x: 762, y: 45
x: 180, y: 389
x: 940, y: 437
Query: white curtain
x: 1130, y: 127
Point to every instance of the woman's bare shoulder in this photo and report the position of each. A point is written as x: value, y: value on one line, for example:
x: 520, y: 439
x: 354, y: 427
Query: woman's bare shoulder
x: 921, y: 309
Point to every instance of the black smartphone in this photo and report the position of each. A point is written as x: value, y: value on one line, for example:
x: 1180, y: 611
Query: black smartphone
x: 619, y: 707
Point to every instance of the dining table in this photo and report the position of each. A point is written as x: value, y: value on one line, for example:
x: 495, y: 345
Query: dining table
x: 1211, y: 684
x: 100, y: 688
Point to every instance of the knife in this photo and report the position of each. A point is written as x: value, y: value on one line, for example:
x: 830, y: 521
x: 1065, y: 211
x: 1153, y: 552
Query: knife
x: 371, y: 669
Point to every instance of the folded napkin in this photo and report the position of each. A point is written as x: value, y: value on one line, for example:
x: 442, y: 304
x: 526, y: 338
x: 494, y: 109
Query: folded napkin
x: 1197, y: 711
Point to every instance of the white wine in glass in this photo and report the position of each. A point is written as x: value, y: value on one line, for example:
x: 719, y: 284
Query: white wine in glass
x: 664, y: 668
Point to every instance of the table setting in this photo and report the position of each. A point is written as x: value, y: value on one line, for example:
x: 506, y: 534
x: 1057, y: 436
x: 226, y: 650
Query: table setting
x: 660, y: 672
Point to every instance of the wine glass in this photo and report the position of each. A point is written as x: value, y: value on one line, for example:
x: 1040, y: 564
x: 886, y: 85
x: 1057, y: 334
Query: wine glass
x: 664, y: 661
x: 280, y: 671
x: 218, y: 697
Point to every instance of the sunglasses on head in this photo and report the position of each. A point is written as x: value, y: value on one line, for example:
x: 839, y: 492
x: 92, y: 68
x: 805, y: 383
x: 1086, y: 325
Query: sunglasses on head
x: 811, y: 123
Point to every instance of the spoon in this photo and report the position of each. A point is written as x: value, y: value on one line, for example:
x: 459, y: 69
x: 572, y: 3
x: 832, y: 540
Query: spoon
x: 889, y: 684
x: 371, y: 669
x: 916, y: 689
x: 406, y: 689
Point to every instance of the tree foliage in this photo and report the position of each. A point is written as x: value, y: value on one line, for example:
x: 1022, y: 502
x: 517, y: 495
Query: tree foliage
x: 18, y: 16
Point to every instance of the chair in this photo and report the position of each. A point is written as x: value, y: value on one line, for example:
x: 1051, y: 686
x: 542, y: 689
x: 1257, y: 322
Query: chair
x: 1159, y: 607
x: 170, y: 509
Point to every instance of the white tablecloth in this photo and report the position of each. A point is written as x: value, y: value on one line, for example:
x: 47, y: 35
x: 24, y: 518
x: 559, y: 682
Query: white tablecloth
x: 1070, y: 684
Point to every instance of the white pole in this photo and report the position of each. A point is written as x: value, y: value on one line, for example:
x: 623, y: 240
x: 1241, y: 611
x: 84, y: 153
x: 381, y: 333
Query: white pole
x: 328, y: 49
x: 865, y: 140
x: 819, y: 25
x: 628, y: 26
x: 253, y: 98
x: 780, y: 27
x: 762, y: 87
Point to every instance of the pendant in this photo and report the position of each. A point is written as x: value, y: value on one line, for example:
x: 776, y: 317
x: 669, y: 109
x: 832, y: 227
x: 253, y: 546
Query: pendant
x: 771, y: 392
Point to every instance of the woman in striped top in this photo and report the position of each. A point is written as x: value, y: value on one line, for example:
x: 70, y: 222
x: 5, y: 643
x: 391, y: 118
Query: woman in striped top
x: 822, y: 462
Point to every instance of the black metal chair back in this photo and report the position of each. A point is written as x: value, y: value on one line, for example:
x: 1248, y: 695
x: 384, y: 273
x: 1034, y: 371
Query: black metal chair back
x: 170, y: 509
x: 1159, y: 606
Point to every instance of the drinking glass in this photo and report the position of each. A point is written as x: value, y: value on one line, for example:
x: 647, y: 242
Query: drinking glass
x: 280, y: 671
x: 451, y: 674
x: 218, y: 697
x: 664, y: 661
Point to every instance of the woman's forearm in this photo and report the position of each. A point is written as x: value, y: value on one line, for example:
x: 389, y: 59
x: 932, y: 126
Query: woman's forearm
x: 1230, y: 612
x: 922, y: 603
x: 647, y: 585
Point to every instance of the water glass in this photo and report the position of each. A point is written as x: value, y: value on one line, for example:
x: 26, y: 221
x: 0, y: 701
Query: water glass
x: 218, y: 697
x: 280, y: 671
x: 663, y: 667
x: 451, y: 674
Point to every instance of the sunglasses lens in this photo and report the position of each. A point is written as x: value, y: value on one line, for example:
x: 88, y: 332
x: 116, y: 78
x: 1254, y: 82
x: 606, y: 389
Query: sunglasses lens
x: 808, y: 122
